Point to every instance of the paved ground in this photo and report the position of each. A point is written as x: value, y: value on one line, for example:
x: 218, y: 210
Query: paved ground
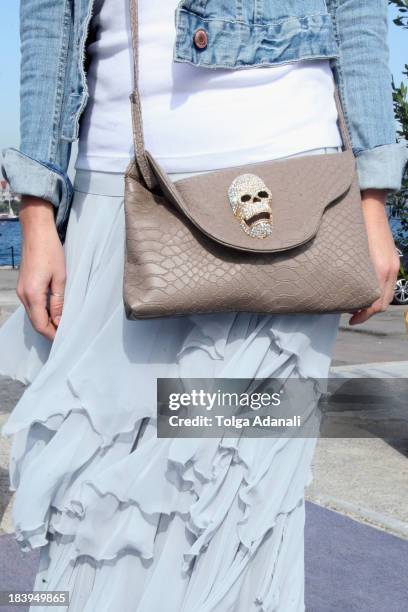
x: 364, y: 479
x: 382, y: 338
x: 8, y: 298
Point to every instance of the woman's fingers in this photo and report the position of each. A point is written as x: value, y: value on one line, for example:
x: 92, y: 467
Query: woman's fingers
x: 390, y: 289
x: 21, y: 294
x: 365, y: 313
x: 38, y: 314
x: 57, y: 300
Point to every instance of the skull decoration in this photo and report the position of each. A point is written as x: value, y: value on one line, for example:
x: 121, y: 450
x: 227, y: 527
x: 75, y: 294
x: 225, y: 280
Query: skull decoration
x: 251, y: 200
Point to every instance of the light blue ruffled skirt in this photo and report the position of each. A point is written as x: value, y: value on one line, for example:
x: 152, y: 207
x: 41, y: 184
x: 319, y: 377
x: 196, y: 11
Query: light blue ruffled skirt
x: 161, y: 525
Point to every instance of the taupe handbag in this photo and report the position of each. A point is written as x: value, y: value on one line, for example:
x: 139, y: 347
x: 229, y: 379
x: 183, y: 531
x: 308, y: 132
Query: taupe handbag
x: 275, y: 237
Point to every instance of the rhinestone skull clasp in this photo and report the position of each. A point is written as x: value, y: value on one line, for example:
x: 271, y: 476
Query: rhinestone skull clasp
x: 251, y: 202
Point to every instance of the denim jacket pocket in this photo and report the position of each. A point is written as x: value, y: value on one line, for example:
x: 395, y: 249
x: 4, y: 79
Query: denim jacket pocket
x: 70, y: 126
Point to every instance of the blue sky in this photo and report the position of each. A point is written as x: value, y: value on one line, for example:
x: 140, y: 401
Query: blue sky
x: 9, y: 68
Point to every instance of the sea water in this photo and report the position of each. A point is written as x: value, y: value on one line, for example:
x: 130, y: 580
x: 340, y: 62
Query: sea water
x: 10, y: 236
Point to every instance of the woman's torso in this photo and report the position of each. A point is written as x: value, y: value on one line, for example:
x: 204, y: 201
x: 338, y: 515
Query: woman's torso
x: 196, y: 118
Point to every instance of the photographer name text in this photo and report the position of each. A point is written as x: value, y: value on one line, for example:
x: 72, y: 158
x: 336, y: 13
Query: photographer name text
x: 233, y: 421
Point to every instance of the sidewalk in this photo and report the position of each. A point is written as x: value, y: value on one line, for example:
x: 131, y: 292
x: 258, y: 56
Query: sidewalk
x: 365, y: 478
x: 382, y: 338
x: 8, y: 298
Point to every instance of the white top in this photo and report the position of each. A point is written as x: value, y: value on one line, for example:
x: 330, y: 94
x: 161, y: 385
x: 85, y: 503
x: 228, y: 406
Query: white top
x: 195, y: 119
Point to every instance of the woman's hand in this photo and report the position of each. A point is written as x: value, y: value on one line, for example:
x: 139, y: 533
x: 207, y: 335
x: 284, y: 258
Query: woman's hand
x: 41, y: 280
x: 382, y: 250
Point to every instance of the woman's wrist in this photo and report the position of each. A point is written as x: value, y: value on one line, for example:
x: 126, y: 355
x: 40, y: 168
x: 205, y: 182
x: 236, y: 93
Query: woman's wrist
x: 35, y: 213
x: 374, y: 205
x: 375, y: 211
x: 374, y: 196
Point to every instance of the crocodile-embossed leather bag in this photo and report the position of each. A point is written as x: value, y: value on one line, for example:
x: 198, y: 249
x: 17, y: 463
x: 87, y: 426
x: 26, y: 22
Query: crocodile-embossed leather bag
x: 279, y: 236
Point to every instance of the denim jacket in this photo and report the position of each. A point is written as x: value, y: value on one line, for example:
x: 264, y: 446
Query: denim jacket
x: 240, y: 34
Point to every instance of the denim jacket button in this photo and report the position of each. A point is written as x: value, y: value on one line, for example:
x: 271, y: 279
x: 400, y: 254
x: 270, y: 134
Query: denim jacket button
x: 201, y: 39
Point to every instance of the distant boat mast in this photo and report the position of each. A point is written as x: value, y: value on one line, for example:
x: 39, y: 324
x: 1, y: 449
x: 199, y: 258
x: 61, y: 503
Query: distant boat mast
x: 6, y: 196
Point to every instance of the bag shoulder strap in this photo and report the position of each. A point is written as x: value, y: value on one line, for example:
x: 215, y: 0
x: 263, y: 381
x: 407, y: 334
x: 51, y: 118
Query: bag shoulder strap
x: 344, y: 131
x: 137, y: 121
x: 136, y: 107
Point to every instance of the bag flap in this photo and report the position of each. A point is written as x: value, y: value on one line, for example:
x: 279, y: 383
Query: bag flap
x: 265, y: 207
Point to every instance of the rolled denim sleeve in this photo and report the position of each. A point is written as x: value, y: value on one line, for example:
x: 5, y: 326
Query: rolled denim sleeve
x: 382, y: 167
x: 31, y: 177
x: 364, y: 78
